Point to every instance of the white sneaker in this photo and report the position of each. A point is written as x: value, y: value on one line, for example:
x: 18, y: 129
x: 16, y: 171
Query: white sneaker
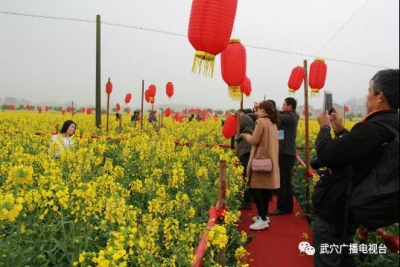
x: 259, y: 225
x: 255, y: 218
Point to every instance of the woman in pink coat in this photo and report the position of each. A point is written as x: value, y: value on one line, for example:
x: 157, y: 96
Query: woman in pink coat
x: 265, y: 144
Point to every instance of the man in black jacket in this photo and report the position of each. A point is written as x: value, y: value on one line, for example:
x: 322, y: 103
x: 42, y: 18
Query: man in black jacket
x: 358, y: 147
x: 287, y: 155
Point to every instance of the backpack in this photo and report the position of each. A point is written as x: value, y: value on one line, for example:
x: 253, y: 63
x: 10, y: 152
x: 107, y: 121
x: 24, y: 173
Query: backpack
x: 374, y: 201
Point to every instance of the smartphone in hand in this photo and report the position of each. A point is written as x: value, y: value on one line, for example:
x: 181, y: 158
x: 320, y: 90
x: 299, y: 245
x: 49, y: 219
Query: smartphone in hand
x: 328, y: 102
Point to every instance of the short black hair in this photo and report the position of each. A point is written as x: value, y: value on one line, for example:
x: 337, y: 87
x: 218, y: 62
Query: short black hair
x: 66, y: 125
x: 290, y: 101
x: 387, y: 81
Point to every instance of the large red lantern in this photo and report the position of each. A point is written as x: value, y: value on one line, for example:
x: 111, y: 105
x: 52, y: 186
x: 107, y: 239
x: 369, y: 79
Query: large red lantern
x: 128, y: 98
x: 169, y: 89
x: 296, y: 79
x: 245, y: 86
x: 109, y: 87
x: 233, y: 67
x: 317, y: 76
x: 167, y: 112
x: 229, y: 128
x: 210, y: 27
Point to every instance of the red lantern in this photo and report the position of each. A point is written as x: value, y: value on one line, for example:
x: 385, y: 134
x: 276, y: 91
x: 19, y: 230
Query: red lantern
x: 83, y: 110
x: 317, y: 76
x: 118, y: 106
x: 11, y: 107
x: 245, y: 86
x: 128, y: 110
x: 128, y: 98
x: 167, y: 112
x: 89, y: 111
x: 151, y: 99
x: 63, y: 112
x: 146, y: 96
x: 169, y: 89
x: 68, y: 109
x: 39, y: 109
x: 210, y: 27
x: 346, y: 108
x: 215, y: 116
x: 296, y: 79
x: 233, y: 67
x: 46, y: 108
x: 109, y: 87
x: 152, y: 90
x: 229, y: 128
x: 27, y: 107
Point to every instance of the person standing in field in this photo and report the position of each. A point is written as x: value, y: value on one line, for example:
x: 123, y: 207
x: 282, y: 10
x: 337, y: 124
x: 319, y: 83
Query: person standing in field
x: 63, y: 140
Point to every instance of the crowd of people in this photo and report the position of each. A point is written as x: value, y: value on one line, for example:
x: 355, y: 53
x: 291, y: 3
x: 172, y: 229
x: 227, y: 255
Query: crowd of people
x: 273, y: 135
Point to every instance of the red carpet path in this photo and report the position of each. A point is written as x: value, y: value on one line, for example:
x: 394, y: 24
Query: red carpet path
x: 278, y: 245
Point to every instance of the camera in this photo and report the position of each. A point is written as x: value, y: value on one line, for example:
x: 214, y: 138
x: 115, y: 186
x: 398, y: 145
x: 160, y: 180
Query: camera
x: 314, y: 163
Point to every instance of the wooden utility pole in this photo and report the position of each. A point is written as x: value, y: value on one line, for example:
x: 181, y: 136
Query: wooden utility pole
x: 98, y: 72
x: 307, y: 143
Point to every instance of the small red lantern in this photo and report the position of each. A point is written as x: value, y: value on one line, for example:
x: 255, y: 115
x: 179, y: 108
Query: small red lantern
x: 210, y: 27
x: 167, y: 112
x: 118, y: 106
x: 46, y: 108
x: 296, y: 79
x: 109, y: 87
x: 68, y: 109
x: 39, y: 109
x: 27, y: 107
x: 169, y: 89
x: 83, y: 110
x: 245, y: 86
x: 317, y: 76
x: 63, y: 112
x: 346, y: 108
x: 229, y: 128
x: 146, y: 96
x: 152, y: 90
x: 128, y: 98
x: 89, y: 111
x: 215, y: 116
x: 128, y: 110
x: 233, y: 67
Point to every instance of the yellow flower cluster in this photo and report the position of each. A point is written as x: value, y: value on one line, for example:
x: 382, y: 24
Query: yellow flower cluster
x: 10, y: 207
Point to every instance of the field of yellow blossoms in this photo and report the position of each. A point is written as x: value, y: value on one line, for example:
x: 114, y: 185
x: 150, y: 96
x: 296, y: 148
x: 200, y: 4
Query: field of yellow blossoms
x: 129, y: 197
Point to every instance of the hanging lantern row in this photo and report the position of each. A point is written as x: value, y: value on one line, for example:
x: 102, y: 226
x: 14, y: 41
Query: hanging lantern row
x: 317, y: 76
x: 233, y: 67
x: 296, y: 79
x: 210, y: 27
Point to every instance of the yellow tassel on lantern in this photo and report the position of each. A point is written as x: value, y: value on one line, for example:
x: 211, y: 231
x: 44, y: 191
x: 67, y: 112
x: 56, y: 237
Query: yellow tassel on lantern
x: 291, y: 92
x: 203, y: 62
x: 235, y: 93
x: 314, y: 92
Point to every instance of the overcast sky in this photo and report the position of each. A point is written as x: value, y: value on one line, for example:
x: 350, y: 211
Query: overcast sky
x: 47, y: 49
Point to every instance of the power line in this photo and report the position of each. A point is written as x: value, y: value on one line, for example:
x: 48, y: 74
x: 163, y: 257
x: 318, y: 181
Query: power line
x: 183, y: 35
x: 344, y: 25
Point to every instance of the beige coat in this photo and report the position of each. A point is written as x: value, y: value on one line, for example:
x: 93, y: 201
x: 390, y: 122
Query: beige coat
x: 265, y: 144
